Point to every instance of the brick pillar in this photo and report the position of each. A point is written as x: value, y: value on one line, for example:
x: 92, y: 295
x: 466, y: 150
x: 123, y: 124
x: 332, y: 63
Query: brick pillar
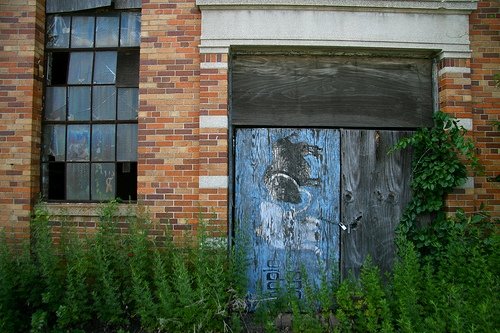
x: 213, y: 140
x: 454, y: 81
x: 22, y: 25
x: 168, y: 147
x: 485, y: 62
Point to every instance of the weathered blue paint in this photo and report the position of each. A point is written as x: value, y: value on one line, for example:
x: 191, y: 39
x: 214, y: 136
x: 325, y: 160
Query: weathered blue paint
x: 287, y: 205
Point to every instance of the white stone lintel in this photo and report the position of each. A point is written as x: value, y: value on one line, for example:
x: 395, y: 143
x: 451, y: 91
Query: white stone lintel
x: 446, y: 34
x: 213, y: 122
x: 213, y: 181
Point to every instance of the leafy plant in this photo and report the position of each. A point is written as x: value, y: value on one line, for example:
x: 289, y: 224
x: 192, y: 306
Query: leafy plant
x: 438, y: 167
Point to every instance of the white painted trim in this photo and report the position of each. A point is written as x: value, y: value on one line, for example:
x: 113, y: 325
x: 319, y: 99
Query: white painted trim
x: 213, y: 122
x: 459, y: 70
x: 213, y: 65
x: 213, y: 181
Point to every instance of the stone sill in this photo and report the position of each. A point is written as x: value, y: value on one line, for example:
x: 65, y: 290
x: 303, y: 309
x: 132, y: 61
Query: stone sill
x: 441, y: 6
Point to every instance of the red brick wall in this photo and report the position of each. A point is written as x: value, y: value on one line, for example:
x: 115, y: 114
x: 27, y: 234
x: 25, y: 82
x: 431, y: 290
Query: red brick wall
x: 21, y: 71
x: 485, y: 62
x: 183, y: 132
x: 455, y: 98
x: 169, y: 90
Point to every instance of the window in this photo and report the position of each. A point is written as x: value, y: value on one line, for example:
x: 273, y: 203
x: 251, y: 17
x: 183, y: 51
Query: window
x: 89, y: 144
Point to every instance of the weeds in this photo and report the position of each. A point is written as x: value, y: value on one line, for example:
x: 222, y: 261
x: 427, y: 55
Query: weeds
x: 125, y: 283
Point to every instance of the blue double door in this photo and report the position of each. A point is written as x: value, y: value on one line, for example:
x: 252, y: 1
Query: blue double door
x: 287, y: 206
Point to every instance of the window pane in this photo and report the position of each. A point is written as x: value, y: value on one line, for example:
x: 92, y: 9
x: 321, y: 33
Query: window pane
x: 57, y: 68
x: 130, y: 29
x: 58, y: 28
x: 127, y: 69
x: 54, y: 143
x: 77, y: 181
x: 103, y: 142
x: 127, y: 142
x: 53, y: 180
x: 107, y: 31
x: 82, y: 31
x: 79, y: 103
x: 105, y: 67
x: 55, y: 103
x: 78, y: 142
x: 80, y: 68
x: 126, y: 180
x: 103, y: 181
x: 128, y: 99
x: 104, y: 103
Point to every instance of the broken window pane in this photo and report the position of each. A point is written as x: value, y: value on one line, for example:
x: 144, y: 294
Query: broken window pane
x: 82, y: 31
x: 55, y: 103
x: 128, y: 69
x: 128, y: 100
x: 57, y: 68
x: 79, y: 103
x: 53, y: 177
x: 107, y: 31
x: 126, y: 180
x: 130, y: 34
x: 54, y: 143
x: 58, y: 28
x: 78, y: 143
x: 103, y: 142
x: 103, y: 181
x: 127, y: 142
x: 105, y: 67
x: 80, y: 68
x: 77, y: 181
x: 104, y: 103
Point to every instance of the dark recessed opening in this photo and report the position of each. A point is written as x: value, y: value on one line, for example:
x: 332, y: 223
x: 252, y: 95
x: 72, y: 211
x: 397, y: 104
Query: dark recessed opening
x: 126, y: 181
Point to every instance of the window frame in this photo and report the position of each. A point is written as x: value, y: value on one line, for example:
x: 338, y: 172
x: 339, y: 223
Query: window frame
x: 120, y: 167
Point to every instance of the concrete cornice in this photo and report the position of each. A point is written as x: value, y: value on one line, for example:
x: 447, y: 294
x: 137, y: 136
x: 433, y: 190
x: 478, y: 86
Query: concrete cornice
x: 442, y: 6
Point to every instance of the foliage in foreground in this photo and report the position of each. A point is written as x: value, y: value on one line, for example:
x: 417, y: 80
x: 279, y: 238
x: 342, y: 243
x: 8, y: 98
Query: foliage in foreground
x: 117, y: 283
x: 110, y: 282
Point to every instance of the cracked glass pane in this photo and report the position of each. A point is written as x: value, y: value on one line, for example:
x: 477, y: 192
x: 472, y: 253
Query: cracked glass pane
x: 78, y: 103
x: 58, y: 29
x: 105, y: 67
x: 55, y: 103
x: 78, y: 143
x: 107, y: 30
x: 80, y: 67
x: 104, y: 103
x: 77, y: 181
x: 82, y: 31
x: 127, y: 142
x: 103, y: 142
x: 130, y: 29
x: 54, y: 143
x: 103, y: 181
x: 128, y: 100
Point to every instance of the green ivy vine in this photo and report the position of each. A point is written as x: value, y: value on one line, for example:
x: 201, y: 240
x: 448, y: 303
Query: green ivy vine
x: 440, y: 158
